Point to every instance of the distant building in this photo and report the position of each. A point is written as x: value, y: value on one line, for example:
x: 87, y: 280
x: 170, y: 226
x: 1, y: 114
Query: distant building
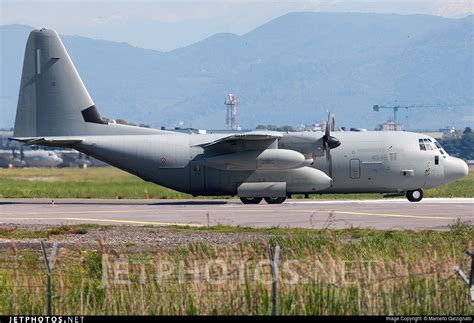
x: 449, y: 132
x: 389, y: 126
x: 311, y: 127
x: 434, y: 134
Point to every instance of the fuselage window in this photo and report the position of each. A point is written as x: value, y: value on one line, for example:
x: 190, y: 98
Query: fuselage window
x: 436, y: 160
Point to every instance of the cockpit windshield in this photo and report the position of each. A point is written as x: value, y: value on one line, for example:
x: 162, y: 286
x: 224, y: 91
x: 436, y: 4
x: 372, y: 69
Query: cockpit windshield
x: 428, y: 144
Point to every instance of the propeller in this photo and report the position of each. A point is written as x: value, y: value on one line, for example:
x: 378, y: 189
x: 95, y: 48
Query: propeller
x: 330, y: 142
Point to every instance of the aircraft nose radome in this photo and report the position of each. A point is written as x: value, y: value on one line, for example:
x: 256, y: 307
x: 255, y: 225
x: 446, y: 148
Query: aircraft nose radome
x: 456, y: 169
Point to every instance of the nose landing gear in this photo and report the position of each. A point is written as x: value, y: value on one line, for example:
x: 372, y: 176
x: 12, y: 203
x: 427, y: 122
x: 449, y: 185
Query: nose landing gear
x: 415, y: 195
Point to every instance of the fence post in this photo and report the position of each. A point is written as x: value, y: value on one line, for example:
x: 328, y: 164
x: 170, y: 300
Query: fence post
x: 469, y: 281
x: 49, y: 267
x: 274, y: 259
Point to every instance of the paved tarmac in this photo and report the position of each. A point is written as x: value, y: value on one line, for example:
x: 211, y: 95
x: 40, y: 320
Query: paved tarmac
x: 384, y: 214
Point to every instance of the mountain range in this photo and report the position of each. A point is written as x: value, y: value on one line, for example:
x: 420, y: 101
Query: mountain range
x: 290, y: 70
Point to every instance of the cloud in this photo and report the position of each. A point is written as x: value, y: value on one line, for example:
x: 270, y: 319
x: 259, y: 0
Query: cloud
x: 106, y: 19
x: 453, y: 8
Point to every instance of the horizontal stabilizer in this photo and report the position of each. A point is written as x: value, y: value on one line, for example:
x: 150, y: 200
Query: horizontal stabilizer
x: 48, y: 141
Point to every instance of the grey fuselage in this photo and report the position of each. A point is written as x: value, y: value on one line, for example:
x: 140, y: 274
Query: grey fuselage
x: 366, y: 162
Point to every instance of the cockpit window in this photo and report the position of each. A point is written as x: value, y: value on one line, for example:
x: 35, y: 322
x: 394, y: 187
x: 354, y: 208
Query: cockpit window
x: 422, y: 144
x: 441, y: 150
x: 428, y: 144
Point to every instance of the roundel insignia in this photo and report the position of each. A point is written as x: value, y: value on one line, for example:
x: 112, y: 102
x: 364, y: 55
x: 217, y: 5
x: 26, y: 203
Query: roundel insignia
x: 162, y: 160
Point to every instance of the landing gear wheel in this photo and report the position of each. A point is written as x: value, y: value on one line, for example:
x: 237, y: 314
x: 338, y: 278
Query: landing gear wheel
x: 251, y: 200
x: 275, y: 200
x: 415, y: 196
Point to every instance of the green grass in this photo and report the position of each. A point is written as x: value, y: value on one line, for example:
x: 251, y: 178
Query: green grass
x: 411, y: 273
x: 111, y: 183
x: 14, y: 233
x: 461, y: 188
x: 98, y: 182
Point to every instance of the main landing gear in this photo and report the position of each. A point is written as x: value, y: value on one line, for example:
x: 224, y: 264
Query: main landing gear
x: 251, y: 200
x: 415, y: 196
x: 275, y: 200
x: 256, y: 200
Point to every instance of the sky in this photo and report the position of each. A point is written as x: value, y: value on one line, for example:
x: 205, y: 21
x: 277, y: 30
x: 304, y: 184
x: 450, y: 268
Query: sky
x: 166, y: 25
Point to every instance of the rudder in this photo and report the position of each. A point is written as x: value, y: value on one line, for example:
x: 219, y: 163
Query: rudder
x: 53, y: 100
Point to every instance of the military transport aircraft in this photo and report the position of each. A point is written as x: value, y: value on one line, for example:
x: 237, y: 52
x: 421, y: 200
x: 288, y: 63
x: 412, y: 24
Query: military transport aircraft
x: 55, y: 109
x: 29, y: 158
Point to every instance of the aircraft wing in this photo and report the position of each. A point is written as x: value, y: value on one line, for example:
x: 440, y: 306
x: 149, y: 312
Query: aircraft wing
x: 246, y: 136
x: 48, y: 141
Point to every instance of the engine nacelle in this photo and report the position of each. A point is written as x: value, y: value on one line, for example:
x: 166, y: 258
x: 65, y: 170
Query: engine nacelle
x: 273, y: 184
x: 306, y: 180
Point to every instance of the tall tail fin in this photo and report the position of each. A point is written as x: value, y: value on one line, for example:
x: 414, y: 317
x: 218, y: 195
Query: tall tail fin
x: 53, y: 101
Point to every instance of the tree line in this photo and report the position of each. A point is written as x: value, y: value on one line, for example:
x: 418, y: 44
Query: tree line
x: 462, y: 147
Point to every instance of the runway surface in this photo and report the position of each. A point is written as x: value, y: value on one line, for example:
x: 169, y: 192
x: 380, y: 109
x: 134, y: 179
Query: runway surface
x: 379, y: 214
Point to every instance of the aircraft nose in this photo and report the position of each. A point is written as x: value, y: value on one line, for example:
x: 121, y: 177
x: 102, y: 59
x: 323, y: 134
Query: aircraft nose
x: 455, y: 169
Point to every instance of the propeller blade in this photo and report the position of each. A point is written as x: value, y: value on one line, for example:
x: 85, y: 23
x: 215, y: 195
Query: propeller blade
x: 330, y: 142
x: 327, y: 131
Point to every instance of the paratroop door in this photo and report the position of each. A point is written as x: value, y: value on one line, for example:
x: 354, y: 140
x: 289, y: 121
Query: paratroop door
x: 354, y: 168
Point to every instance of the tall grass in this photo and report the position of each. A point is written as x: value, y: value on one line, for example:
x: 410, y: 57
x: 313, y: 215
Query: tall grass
x: 339, y: 272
